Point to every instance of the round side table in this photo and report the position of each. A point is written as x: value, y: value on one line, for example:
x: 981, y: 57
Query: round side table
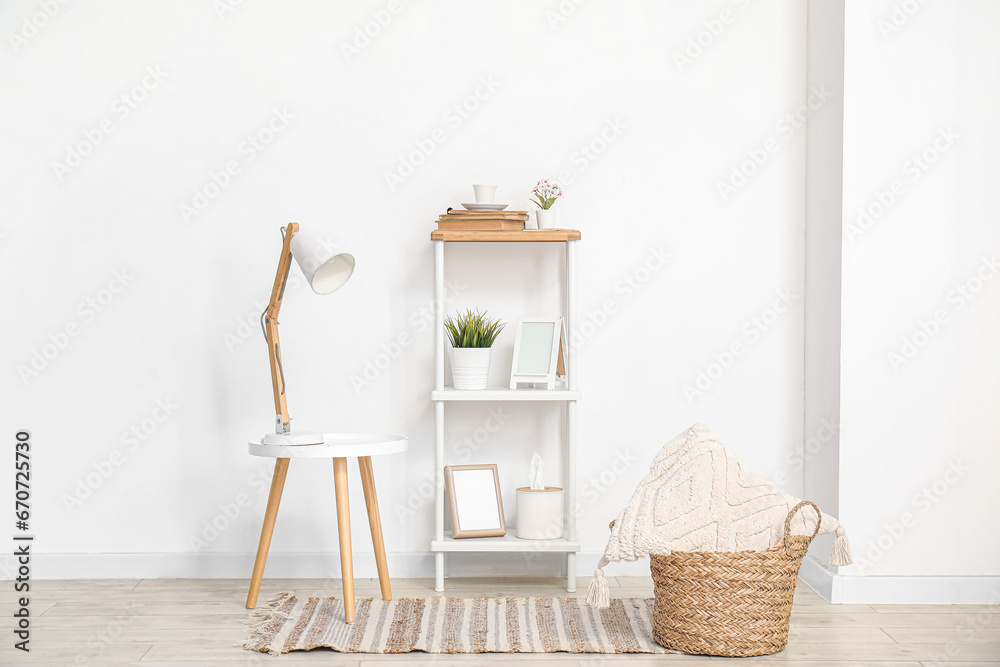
x: 336, y: 446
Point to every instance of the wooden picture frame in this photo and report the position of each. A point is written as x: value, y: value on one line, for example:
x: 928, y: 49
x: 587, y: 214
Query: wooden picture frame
x: 475, y: 502
x: 538, y: 351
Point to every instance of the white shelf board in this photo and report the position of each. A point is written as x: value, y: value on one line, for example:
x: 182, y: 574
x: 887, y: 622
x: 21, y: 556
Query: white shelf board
x: 505, y: 394
x: 509, y: 542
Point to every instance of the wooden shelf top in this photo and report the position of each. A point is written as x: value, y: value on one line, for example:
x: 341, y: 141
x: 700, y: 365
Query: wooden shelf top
x: 527, y: 236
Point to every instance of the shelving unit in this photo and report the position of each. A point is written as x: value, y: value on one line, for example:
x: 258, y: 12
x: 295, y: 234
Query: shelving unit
x: 569, y: 394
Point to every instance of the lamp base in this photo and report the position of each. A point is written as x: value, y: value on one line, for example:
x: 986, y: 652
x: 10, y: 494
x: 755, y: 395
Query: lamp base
x: 295, y: 438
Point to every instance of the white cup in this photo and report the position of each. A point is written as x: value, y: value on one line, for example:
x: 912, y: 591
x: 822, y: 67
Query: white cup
x: 485, y: 194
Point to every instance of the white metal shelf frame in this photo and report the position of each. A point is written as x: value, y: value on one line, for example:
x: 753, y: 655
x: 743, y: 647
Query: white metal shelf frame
x: 443, y: 543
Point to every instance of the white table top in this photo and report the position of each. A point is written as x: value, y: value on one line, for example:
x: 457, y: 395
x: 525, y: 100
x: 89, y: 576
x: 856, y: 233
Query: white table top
x: 335, y: 445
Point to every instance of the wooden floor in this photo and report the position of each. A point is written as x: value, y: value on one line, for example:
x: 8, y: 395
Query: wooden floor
x: 198, y: 621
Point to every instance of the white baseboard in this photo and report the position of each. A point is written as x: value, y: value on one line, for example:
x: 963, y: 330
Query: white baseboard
x: 213, y: 565
x: 833, y: 587
x: 818, y: 576
x: 879, y: 589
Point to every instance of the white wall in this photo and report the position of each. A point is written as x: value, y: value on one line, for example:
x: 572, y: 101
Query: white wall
x: 184, y: 328
x: 918, y: 446
x: 668, y: 121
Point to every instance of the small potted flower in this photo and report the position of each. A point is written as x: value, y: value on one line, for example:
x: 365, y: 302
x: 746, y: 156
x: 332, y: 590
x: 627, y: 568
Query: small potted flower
x: 471, y: 336
x: 546, y: 193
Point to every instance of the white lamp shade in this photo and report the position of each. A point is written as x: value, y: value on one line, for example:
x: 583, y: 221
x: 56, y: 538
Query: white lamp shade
x: 325, y: 268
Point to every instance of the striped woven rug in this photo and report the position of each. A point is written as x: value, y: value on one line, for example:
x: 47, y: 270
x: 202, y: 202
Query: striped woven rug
x: 451, y: 625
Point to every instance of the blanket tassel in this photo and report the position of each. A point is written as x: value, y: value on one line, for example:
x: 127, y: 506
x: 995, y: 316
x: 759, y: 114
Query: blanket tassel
x: 840, y: 554
x: 598, y: 595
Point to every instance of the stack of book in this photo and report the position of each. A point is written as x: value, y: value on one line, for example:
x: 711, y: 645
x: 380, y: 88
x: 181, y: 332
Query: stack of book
x: 498, y: 221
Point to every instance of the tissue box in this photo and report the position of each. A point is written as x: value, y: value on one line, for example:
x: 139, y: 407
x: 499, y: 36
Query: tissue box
x: 539, y: 513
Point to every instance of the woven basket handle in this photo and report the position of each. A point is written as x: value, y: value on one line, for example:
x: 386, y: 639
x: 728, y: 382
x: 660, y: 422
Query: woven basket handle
x: 788, y: 522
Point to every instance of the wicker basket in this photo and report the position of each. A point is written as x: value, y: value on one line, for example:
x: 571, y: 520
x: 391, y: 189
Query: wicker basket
x: 728, y: 603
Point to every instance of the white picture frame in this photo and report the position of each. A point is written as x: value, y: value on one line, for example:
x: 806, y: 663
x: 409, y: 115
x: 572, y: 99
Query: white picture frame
x: 474, y: 498
x: 536, y: 351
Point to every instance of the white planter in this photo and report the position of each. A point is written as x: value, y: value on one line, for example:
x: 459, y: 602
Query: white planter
x: 539, y: 513
x: 545, y: 219
x: 470, y: 367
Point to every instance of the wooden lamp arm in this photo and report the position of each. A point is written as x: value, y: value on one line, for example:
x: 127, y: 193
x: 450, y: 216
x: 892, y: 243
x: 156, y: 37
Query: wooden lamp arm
x: 271, y: 331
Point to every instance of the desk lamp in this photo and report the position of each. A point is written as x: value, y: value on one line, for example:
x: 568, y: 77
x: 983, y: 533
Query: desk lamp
x: 326, y: 271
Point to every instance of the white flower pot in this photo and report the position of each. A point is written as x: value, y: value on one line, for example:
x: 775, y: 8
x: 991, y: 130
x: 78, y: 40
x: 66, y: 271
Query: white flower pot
x: 545, y: 218
x: 539, y: 513
x: 470, y: 367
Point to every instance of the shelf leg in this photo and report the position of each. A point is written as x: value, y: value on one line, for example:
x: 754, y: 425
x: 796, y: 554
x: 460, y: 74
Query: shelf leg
x: 570, y: 357
x: 439, y: 492
x: 439, y: 315
x: 571, y: 407
x: 571, y: 506
x: 439, y: 305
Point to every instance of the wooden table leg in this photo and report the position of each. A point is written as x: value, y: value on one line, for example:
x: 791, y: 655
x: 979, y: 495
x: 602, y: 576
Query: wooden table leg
x: 375, y: 523
x: 344, y: 528
x: 270, y: 515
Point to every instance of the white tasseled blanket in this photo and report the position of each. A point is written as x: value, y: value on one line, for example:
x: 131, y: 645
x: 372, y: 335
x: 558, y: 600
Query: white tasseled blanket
x: 699, y: 496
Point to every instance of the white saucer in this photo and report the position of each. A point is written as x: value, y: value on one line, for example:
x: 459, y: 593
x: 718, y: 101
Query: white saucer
x: 485, y: 207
